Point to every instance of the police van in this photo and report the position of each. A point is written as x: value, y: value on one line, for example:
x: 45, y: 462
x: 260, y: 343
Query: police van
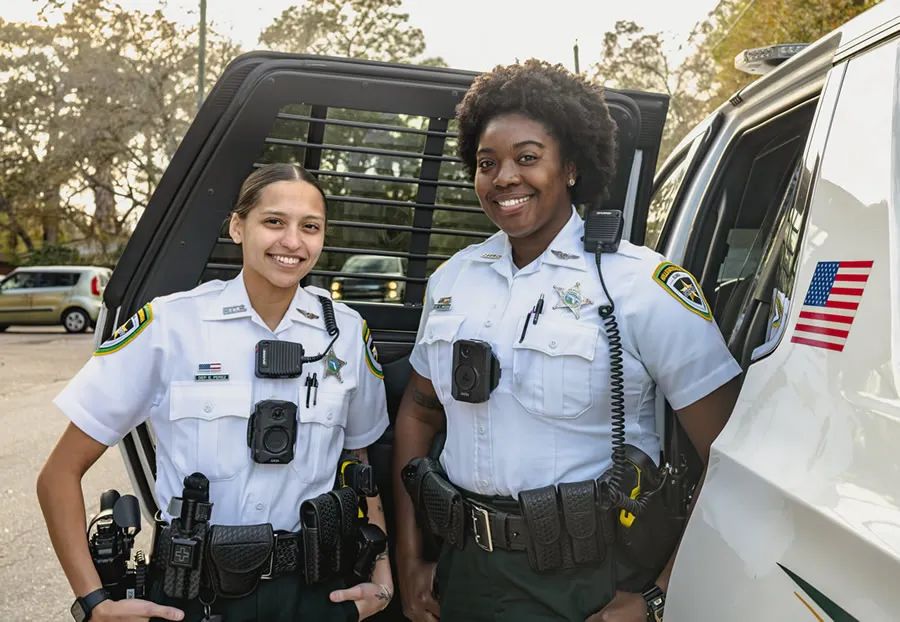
x: 781, y: 203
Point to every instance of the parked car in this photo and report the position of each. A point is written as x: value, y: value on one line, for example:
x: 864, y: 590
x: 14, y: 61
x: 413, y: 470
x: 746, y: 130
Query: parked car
x: 380, y: 279
x: 51, y: 295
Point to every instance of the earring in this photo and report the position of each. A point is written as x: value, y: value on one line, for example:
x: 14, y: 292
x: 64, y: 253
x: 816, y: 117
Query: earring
x: 571, y: 181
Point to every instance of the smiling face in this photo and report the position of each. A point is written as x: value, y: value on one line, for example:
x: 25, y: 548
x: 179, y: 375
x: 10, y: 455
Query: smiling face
x: 283, y: 234
x: 521, y: 179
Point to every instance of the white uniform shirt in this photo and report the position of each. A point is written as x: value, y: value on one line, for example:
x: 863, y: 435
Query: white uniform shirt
x: 548, y: 421
x: 161, y: 373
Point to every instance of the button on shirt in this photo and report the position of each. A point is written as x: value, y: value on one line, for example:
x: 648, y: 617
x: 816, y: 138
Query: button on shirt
x: 190, y: 370
x: 548, y: 420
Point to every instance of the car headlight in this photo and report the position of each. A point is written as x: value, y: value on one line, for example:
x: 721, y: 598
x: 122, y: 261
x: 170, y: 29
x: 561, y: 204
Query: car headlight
x: 335, y: 285
x: 392, y: 285
x: 335, y: 295
x: 392, y: 294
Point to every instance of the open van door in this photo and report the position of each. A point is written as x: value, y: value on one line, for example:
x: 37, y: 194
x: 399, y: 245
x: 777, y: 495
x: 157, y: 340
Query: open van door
x: 381, y: 139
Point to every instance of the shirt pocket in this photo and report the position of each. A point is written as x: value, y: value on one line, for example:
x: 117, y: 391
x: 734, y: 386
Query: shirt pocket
x: 320, y: 435
x: 552, y: 368
x: 439, y: 334
x: 209, y: 427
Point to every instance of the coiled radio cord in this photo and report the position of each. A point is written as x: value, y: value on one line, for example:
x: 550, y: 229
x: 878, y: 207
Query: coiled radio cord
x: 617, y: 497
x: 330, y: 326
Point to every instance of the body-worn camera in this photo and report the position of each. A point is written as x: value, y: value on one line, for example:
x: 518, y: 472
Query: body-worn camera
x: 272, y: 432
x: 476, y: 371
x: 114, y: 529
x: 183, y: 542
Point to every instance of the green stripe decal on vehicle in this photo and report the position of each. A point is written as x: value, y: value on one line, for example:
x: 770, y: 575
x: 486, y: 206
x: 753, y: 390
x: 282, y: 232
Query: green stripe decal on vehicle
x: 831, y: 608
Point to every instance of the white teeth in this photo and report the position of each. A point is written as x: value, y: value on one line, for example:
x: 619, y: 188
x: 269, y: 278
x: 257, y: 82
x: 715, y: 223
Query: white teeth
x: 513, y: 202
x: 290, y: 261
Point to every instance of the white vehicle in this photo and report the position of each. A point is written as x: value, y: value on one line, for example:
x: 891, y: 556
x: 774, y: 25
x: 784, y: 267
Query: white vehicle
x: 784, y: 203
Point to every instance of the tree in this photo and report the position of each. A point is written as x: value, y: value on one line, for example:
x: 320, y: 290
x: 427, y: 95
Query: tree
x: 370, y: 29
x: 94, y: 107
x: 737, y: 25
x: 635, y: 59
x: 373, y: 30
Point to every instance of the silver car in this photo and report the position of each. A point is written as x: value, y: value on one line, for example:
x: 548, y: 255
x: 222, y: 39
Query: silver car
x: 51, y: 295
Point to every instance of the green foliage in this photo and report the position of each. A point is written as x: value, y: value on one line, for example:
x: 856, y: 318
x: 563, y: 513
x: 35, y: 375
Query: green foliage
x: 95, y: 100
x: 737, y: 25
x: 635, y: 59
x: 370, y: 29
x: 52, y: 255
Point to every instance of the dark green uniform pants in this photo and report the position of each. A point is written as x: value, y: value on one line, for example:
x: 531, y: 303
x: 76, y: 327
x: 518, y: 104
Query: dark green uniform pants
x: 285, y: 599
x: 476, y: 586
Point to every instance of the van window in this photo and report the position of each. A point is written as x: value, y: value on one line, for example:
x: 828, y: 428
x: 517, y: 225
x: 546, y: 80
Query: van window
x: 664, y: 198
x: 399, y: 201
x: 745, y: 206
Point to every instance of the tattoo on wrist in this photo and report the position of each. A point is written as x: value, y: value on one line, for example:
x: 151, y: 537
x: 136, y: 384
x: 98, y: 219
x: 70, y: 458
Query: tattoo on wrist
x: 385, y: 594
x: 429, y: 402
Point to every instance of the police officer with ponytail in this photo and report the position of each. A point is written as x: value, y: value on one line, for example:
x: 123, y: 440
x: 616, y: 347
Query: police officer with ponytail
x: 548, y: 496
x: 258, y: 390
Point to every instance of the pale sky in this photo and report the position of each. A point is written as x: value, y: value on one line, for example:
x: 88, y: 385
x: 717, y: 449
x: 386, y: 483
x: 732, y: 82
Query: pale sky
x: 468, y: 34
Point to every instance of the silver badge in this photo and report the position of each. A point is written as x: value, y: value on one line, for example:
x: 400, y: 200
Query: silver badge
x: 234, y: 309
x: 333, y: 365
x: 571, y: 299
x: 563, y: 255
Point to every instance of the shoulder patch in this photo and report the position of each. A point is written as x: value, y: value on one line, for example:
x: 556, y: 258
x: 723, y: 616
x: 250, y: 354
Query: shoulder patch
x: 682, y: 285
x: 371, y: 353
x: 127, y: 332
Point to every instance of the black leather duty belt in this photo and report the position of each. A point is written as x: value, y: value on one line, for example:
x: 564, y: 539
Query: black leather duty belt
x: 287, y: 555
x: 495, y: 529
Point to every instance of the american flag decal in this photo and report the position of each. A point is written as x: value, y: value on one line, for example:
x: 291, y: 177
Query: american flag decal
x: 831, y: 303
x: 210, y: 367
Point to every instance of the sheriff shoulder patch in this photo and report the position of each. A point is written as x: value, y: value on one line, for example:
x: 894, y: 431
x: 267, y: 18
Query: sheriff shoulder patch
x: 682, y: 285
x: 127, y: 332
x: 371, y: 353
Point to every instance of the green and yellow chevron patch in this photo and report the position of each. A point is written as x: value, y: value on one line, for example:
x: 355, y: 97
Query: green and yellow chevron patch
x: 371, y: 353
x: 682, y: 285
x: 127, y: 332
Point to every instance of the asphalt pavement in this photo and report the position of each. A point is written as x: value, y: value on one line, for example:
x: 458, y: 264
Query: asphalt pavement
x: 35, y: 364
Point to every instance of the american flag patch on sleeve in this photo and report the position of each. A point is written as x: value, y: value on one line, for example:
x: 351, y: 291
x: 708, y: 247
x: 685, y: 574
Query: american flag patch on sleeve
x: 831, y: 303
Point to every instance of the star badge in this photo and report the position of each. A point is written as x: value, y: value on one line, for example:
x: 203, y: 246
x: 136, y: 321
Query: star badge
x: 571, y: 299
x: 333, y: 365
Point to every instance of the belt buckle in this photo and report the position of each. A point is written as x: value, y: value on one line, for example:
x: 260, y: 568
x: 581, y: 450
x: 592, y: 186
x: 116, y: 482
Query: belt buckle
x: 268, y: 573
x: 481, y: 528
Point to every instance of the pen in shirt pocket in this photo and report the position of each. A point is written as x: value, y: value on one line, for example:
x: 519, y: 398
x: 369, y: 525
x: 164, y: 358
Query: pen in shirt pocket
x: 538, y: 309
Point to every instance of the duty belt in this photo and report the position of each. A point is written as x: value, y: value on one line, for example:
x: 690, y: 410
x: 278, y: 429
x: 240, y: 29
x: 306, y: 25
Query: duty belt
x: 492, y: 528
x: 287, y: 555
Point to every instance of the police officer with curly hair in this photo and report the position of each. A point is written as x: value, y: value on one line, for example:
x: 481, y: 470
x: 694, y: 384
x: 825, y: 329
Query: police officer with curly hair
x: 532, y: 534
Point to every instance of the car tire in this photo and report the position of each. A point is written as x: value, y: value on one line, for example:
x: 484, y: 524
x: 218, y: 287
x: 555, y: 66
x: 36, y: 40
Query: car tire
x: 75, y: 321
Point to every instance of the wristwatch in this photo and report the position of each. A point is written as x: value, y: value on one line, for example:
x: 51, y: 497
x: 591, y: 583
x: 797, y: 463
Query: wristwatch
x: 656, y: 602
x: 84, y: 605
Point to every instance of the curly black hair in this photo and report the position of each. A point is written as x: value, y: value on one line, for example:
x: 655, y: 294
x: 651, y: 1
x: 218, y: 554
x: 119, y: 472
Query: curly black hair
x: 573, y: 111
